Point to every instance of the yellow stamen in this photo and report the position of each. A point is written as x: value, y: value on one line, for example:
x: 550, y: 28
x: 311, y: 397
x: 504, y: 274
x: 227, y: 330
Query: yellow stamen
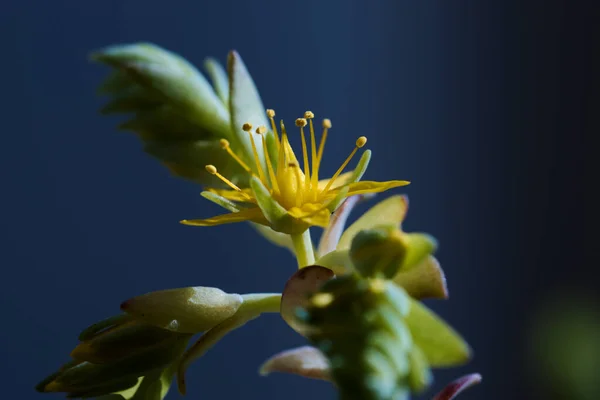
x: 284, y: 156
x: 301, y: 122
x: 211, y: 169
x: 248, y: 128
x: 271, y: 114
x: 360, y: 142
x: 225, y: 146
x: 314, y: 179
x: 261, y: 130
x: 326, y: 127
x: 296, y: 169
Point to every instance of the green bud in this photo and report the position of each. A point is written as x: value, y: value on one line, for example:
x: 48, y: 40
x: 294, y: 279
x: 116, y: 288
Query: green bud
x: 186, y: 310
x: 378, y: 252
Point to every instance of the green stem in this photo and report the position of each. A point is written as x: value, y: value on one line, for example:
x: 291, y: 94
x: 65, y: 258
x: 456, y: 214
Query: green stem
x: 303, y: 247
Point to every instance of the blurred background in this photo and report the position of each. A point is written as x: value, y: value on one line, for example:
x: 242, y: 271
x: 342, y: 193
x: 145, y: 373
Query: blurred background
x: 487, y: 107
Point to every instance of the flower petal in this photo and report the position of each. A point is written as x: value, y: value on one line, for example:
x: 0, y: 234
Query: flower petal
x: 306, y: 361
x: 390, y: 211
x: 426, y: 280
x: 341, y: 180
x: 251, y: 214
x: 313, y: 214
x: 374, y: 187
x: 454, y: 388
x: 297, y: 290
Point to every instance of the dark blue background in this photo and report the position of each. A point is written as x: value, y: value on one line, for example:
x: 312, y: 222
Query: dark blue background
x: 485, y: 106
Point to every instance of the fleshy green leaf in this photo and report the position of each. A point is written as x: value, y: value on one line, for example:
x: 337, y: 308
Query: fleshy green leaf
x: 426, y: 280
x: 188, y: 310
x: 119, y: 342
x: 219, y: 79
x: 442, y: 345
x: 245, y: 106
x: 306, y: 361
x: 418, y: 247
x: 390, y: 211
x: 165, y: 74
x: 297, y: 291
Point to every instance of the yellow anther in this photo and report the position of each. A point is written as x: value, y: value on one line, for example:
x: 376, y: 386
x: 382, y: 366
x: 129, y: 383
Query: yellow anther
x: 301, y: 122
x: 309, y: 115
x: 322, y: 299
x: 225, y: 146
x: 271, y: 114
x: 211, y: 169
x: 261, y: 130
x: 360, y: 142
x: 247, y: 127
x: 327, y: 123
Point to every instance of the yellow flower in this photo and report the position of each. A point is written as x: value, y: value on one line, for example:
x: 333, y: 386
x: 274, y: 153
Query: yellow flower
x: 287, y: 196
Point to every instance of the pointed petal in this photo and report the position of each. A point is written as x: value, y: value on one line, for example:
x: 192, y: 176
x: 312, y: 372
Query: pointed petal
x: 456, y: 387
x: 426, y: 280
x: 442, y: 345
x: 306, y: 361
x: 297, y: 290
x: 374, y: 187
x: 312, y: 214
x: 251, y: 214
x: 390, y: 211
x: 341, y: 180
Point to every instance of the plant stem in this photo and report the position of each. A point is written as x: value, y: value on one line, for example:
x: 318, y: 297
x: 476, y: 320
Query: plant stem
x: 303, y: 247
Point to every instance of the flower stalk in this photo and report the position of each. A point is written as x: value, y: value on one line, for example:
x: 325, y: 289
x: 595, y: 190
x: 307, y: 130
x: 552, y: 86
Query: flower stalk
x: 303, y: 248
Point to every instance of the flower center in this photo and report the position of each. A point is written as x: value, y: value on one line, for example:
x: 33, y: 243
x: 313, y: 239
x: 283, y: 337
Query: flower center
x: 289, y: 184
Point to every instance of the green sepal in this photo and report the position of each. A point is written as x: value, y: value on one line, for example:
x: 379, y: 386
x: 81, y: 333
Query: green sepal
x: 361, y: 167
x: 221, y: 201
x: 441, y: 345
x: 186, y: 310
x: 279, y: 219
